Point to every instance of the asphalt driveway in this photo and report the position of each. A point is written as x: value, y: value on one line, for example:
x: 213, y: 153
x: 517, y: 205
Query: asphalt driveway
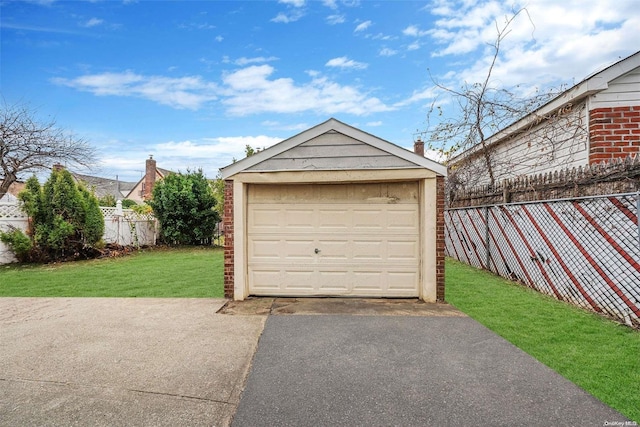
x: 345, y: 370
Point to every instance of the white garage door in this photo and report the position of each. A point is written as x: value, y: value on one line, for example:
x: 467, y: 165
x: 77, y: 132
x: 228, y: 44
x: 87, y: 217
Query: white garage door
x: 349, y: 239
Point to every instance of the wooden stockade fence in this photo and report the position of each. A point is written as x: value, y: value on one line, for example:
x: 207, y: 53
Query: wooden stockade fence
x: 614, y: 177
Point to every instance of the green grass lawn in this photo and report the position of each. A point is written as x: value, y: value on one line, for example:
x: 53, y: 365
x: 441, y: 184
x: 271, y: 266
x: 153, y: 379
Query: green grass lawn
x: 597, y: 354
x: 186, y: 272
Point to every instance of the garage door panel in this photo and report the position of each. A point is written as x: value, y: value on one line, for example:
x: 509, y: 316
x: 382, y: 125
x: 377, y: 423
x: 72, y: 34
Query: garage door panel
x: 299, y: 280
x: 337, y: 219
x: 399, y: 250
x: 299, y: 219
x: 264, y: 250
x: 371, y: 281
x: 264, y: 280
x: 401, y: 280
x: 333, y: 281
x: 369, y: 250
x: 402, y: 220
x: 333, y: 250
x: 368, y: 220
x: 262, y: 218
x: 297, y: 249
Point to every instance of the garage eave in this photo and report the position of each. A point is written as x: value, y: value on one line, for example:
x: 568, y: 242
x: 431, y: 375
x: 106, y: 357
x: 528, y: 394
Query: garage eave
x: 342, y: 176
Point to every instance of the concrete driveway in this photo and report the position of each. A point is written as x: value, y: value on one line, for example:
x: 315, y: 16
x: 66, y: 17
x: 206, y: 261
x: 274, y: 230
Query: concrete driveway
x: 122, y: 362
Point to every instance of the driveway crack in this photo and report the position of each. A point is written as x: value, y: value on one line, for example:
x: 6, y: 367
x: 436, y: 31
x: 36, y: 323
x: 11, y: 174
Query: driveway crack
x: 133, y: 390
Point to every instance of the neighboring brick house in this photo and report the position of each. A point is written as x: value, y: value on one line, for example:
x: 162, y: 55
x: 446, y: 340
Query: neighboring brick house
x: 596, y: 120
x: 143, y: 189
x: 12, y: 193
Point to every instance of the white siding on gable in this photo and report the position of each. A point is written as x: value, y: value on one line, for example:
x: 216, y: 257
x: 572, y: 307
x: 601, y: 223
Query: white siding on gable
x: 332, y: 150
x: 622, y: 92
x: 554, y: 144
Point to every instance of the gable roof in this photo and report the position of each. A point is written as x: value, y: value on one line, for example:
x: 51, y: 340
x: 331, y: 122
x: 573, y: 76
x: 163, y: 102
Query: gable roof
x: 329, y: 126
x: 104, y: 186
x: 596, y: 82
x: 592, y: 84
x: 160, y: 173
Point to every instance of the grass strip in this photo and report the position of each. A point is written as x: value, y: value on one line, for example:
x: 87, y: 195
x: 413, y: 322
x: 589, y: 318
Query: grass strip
x: 599, y: 355
x: 193, y: 272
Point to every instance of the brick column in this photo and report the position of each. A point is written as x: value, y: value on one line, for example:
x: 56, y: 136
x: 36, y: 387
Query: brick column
x: 228, y: 240
x: 614, y: 133
x: 440, y: 249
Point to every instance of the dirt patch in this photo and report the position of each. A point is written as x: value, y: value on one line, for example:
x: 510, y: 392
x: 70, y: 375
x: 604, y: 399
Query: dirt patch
x: 353, y: 306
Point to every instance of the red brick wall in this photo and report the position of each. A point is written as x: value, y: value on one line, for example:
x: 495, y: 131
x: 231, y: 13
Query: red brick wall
x: 614, y: 133
x: 440, y: 250
x: 228, y: 239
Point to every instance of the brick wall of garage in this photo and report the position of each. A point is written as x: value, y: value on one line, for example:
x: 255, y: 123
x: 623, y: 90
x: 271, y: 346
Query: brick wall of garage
x: 228, y: 240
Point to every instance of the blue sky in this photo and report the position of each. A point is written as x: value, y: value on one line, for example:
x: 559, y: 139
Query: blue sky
x: 193, y: 82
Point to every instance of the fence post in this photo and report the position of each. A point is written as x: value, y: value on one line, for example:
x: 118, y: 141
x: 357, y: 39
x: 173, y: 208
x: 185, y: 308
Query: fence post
x: 638, y: 215
x: 486, y: 237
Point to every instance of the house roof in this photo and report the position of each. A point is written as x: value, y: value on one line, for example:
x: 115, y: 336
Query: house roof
x: 592, y: 84
x: 164, y: 172
x: 332, y: 125
x: 105, y: 186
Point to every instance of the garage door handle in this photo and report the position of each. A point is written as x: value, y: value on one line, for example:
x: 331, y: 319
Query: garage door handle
x: 317, y: 251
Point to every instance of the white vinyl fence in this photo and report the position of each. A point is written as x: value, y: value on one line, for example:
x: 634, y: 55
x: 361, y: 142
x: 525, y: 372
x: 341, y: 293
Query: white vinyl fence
x: 121, y: 227
x: 11, y: 216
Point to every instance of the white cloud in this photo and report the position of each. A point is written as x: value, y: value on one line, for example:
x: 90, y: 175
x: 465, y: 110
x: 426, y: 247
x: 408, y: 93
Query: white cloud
x: 344, y: 62
x: 251, y: 91
x: 93, y: 22
x: 335, y: 19
x: 294, y: 3
x: 331, y: 4
x: 414, y: 31
x: 189, y: 92
x: 418, y: 96
x: 374, y: 124
x: 362, y: 26
x: 257, y: 60
x: 554, y: 41
x: 208, y: 153
x: 387, y: 52
x: 209, y: 148
x: 219, y: 38
x: 287, y: 126
x: 295, y: 11
x: 381, y: 36
x: 284, y: 18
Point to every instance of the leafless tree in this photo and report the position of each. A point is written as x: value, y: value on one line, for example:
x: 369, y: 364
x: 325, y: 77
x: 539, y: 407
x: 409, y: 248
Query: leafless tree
x: 28, y: 144
x: 480, y: 110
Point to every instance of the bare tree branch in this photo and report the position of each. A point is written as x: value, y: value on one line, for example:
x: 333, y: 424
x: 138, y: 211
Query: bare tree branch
x: 30, y: 145
x: 481, y: 110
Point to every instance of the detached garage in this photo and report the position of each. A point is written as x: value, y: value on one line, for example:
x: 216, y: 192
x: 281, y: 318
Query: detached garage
x: 334, y: 211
